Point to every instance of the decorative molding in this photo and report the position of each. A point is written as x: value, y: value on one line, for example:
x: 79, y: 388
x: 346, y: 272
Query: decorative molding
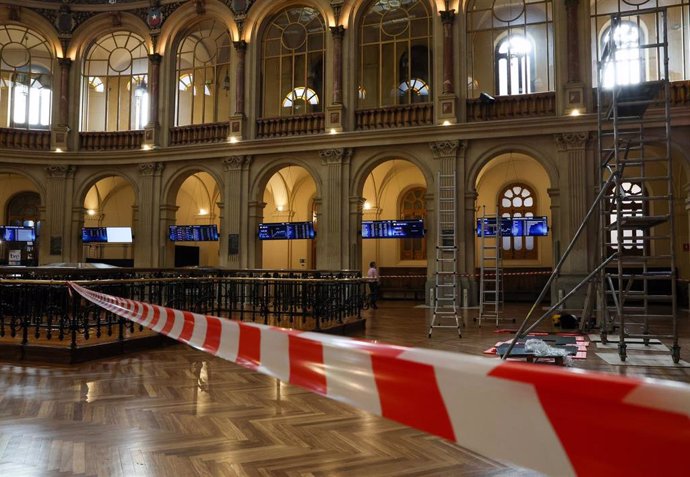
x: 447, y: 16
x: 337, y: 6
x: 569, y: 141
x: 338, y: 31
x: 151, y: 168
x: 335, y: 156
x: 444, y: 149
x: 60, y: 171
x: 236, y: 163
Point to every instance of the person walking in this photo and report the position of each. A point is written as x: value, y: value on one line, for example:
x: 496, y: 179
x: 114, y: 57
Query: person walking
x: 373, y: 276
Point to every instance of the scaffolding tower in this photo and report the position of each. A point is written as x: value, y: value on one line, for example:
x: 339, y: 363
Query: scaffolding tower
x: 637, y: 291
x: 446, y: 277
x: 491, y: 269
x: 635, y: 281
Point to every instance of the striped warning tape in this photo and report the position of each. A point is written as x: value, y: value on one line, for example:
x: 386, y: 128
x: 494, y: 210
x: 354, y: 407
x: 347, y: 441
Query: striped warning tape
x: 557, y: 421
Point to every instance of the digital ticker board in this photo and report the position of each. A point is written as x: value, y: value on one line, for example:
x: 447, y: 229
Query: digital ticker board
x: 514, y: 227
x: 393, y: 229
x: 286, y: 231
x: 193, y: 233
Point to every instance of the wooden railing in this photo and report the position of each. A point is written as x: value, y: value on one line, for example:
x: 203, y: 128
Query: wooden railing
x: 408, y: 115
x: 198, y: 133
x: 113, y: 140
x: 679, y: 93
x: 290, y: 125
x: 25, y: 139
x: 512, y: 107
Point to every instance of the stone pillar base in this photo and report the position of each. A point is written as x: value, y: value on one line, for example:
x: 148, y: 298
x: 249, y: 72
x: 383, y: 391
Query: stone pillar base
x: 446, y: 111
x: 59, y: 136
x: 236, y: 129
x: 334, y: 118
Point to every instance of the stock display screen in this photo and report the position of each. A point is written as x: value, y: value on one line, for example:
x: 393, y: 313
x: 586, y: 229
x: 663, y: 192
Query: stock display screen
x: 286, y: 231
x: 514, y: 227
x: 193, y: 233
x: 393, y: 229
x: 11, y: 233
x: 106, y: 235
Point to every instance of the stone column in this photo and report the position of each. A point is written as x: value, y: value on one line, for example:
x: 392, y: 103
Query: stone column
x: 255, y: 215
x: 57, y: 229
x: 355, y: 242
x: 235, y: 243
x: 149, y: 236
x: 566, y: 281
x: 468, y: 244
x: 572, y: 159
x: 60, y: 132
x: 334, y: 116
x: 574, y: 89
x: 167, y: 216
x: 237, y: 120
x: 152, y: 129
x: 333, y: 249
x: 447, y: 100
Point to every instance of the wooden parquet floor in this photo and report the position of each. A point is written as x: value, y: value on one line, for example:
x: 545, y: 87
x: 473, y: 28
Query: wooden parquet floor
x: 179, y: 412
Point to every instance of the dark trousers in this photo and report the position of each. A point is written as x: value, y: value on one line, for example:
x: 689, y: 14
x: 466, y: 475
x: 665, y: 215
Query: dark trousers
x: 373, y: 292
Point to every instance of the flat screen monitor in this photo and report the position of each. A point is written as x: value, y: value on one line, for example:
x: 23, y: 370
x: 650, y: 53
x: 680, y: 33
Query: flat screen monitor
x: 11, y: 233
x: 514, y: 227
x: 193, y: 233
x: 119, y: 234
x: 286, y: 231
x: 393, y: 229
x: 106, y: 235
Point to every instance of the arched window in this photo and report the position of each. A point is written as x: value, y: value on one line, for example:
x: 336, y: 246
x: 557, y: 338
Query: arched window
x: 293, y: 63
x: 632, y: 205
x: 626, y: 66
x: 515, y: 65
x: 26, y: 78
x: 518, y: 200
x: 203, y: 76
x: 23, y: 208
x: 114, y: 79
x: 395, y: 54
x: 510, y: 47
x: 413, y: 206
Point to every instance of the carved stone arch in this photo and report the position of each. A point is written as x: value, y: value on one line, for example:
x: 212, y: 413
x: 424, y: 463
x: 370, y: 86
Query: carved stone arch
x: 185, y: 16
x: 23, y: 205
x: 36, y: 182
x: 102, y: 24
x: 261, y: 13
x: 39, y: 24
x: 172, y: 185
x: 83, y: 187
x: 359, y: 176
x: 485, y: 158
x: 264, y: 174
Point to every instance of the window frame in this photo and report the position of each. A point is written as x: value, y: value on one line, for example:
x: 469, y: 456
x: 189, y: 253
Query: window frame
x: 511, y: 253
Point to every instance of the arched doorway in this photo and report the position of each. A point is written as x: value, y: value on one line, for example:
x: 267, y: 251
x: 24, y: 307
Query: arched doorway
x: 197, y: 206
x: 21, y: 207
x: 109, y: 217
x: 396, y: 190
x: 515, y: 185
x: 290, y: 197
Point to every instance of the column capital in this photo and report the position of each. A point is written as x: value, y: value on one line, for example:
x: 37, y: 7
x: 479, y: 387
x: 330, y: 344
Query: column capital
x: 156, y: 58
x: 446, y: 149
x: 335, y: 156
x: 571, y: 3
x: 151, y: 168
x: 447, y: 16
x: 236, y: 163
x: 240, y: 45
x: 338, y: 31
x: 61, y: 171
x: 570, y: 141
x: 65, y: 62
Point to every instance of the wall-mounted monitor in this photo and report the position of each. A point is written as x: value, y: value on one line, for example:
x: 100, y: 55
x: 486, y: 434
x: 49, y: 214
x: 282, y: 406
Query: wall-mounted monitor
x: 106, y: 235
x: 12, y: 233
x: 286, y: 231
x: 514, y: 227
x: 193, y: 233
x: 393, y: 229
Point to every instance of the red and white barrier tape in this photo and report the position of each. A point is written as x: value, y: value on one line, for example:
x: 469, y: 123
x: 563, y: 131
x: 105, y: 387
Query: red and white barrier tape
x: 557, y: 421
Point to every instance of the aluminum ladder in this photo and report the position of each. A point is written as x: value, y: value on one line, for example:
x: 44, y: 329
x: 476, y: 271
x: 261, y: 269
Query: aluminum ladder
x: 446, y: 276
x: 491, y: 269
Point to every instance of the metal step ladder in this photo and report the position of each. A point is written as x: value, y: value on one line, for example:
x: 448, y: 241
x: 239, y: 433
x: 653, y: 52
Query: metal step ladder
x: 446, y: 276
x: 491, y: 269
x: 638, y: 289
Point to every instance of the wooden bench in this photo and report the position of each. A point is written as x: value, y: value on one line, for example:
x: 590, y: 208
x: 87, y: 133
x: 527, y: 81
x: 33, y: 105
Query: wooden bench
x: 402, y: 283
